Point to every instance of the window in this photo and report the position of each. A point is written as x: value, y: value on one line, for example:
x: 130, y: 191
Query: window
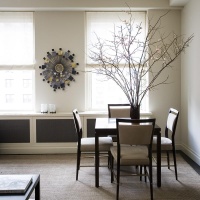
x: 16, y: 61
x: 100, y: 91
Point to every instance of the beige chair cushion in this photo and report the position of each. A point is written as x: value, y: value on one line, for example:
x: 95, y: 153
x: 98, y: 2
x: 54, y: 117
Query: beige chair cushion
x: 135, y: 134
x: 131, y: 155
x: 119, y: 112
x: 88, y: 144
x: 166, y: 143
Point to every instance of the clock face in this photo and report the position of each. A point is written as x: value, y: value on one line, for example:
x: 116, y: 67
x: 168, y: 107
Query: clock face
x: 59, y: 69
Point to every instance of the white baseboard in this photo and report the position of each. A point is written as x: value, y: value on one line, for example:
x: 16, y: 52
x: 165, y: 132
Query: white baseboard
x: 178, y: 147
x: 190, y: 153
x: 38, y: 150
x: 71, y: 148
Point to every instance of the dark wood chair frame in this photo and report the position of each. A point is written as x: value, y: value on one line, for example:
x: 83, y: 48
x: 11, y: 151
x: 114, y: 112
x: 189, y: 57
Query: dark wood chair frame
x: 173, y: 111
x: 79, y: 132
x: 149, y: 175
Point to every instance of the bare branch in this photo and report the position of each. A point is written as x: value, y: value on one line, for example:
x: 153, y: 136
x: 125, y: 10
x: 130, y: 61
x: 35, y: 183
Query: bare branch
x: 127, y: 59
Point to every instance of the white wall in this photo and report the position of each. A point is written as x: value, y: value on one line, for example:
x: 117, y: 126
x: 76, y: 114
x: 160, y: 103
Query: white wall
x: 168, y: 95
x: 53, y: 30
x: 190, y: 92
x: 66, y: 29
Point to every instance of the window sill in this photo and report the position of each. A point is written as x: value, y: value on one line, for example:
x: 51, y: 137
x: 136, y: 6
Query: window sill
x: 62, y: 114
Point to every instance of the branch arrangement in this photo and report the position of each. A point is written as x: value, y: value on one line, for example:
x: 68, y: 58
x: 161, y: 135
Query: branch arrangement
x: 127, y: 58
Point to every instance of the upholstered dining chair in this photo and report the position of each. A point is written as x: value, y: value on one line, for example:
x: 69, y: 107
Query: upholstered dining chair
x: 87, y: 145
x: 119, y: 110
x: 168, y: 141
x: 134, y: 148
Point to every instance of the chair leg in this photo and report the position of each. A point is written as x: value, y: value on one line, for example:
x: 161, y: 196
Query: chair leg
x: 168, y: 161
x: 175, y: 166
x: 141, y: 172
x: 151, y: 181
x: 78, y: 163
x: 145, y: 172
x: 118, y: 180
x: 109, y: 160
x: 111, y: 169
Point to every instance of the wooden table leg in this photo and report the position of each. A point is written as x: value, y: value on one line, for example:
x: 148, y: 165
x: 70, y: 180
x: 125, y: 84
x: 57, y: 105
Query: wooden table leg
x: 96, y: 160
x: 37, y: 190
x: 159, y: 159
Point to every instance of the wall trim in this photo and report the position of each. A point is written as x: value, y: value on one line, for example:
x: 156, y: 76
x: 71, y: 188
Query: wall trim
x: 38, y: 150
x: 190, y: 153
x: 72, y: 148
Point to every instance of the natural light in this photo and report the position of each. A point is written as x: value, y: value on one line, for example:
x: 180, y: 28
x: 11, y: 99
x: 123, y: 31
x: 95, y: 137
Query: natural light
x: 16, y: 63
x: 102, y: 91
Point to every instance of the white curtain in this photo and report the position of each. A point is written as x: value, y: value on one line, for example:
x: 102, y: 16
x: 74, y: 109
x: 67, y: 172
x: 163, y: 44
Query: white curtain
x: 16, y: 40
x: 101, y: 91
x: 103, y: 24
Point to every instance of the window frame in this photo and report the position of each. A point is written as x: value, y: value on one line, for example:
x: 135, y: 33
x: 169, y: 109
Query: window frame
x: 88, y: 78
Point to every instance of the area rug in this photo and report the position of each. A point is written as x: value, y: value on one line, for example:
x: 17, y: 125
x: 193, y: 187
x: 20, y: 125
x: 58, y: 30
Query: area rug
x: 57, y: 179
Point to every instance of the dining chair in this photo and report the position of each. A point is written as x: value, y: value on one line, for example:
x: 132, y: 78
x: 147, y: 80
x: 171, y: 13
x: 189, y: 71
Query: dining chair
x: 87, y: 145
x: 168, y: 141
x: 134, y: 148
x: 119, y: 110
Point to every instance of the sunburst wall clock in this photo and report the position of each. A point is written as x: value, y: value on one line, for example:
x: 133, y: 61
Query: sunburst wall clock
x: 59, y: 69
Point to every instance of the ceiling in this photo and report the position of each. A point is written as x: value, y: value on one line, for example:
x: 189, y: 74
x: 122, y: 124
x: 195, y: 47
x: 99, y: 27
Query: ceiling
x: 47, y: 5
x: 178, y: 2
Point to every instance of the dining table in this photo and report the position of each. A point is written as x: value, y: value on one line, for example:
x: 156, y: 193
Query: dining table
x: 107, y: 126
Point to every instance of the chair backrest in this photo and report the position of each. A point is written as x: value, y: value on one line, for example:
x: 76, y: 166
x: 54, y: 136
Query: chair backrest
x: 135, y: 131
x: 119, y: 110
x: 77, y: 122
x: 172, y: 120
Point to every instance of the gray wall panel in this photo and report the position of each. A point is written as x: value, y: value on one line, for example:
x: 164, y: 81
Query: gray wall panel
x: 55, y: 130
x: 91, y: 127
x: 15, y: 131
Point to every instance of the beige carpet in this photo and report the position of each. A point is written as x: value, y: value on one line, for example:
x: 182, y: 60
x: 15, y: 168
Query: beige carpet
x: 57, y: 174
